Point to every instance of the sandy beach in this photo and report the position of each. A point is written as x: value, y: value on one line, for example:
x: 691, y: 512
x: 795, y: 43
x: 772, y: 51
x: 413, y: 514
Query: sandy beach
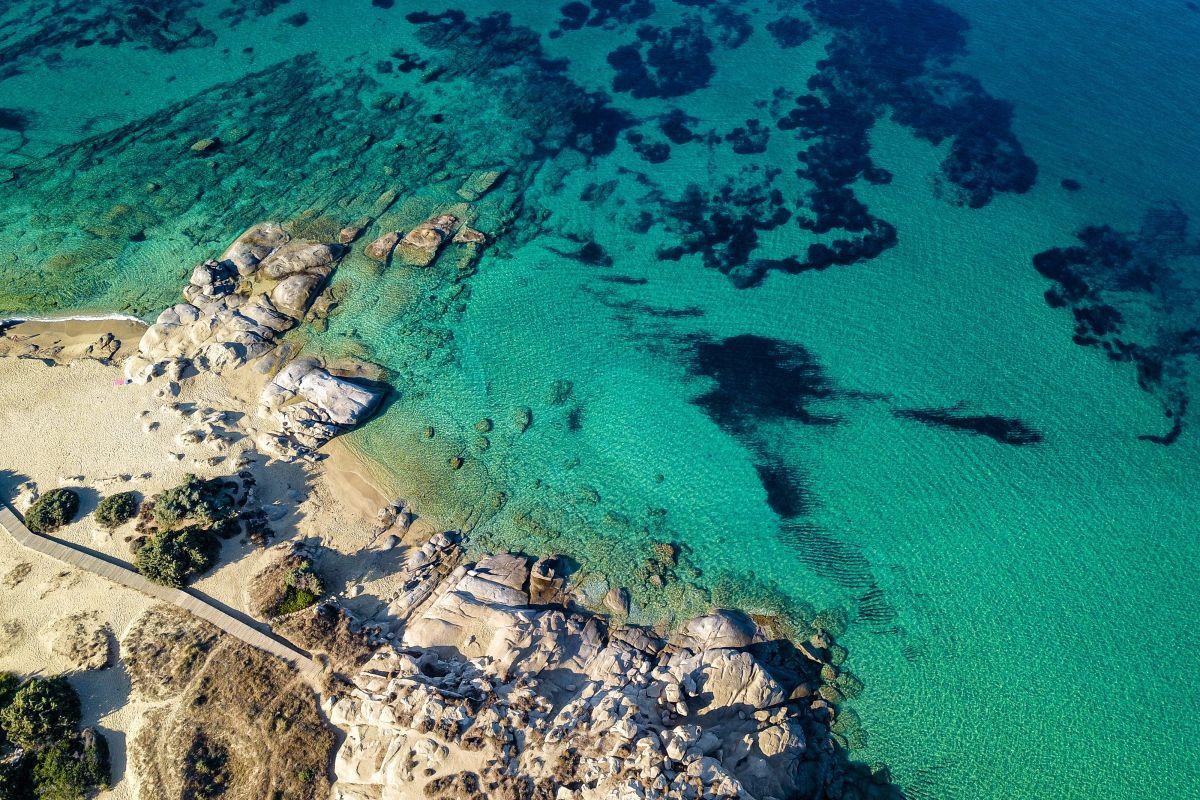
x: 69, y: 420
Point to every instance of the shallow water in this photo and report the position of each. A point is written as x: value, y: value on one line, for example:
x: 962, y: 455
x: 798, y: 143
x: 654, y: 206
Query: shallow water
x: 913, y: 438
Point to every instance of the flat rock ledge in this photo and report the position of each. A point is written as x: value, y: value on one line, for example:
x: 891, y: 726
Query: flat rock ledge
x: 485, y: 693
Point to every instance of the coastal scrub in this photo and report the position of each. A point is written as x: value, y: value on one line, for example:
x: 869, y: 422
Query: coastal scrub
x: 52, y: 510
x: 115, y: 510
x: 42, y: 752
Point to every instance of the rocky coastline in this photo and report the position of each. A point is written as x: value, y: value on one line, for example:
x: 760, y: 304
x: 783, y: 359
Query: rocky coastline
x: 495, y: 683
x: 473, y: 677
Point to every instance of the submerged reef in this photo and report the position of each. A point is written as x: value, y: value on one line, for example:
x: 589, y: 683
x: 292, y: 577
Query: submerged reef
x: 676, y: 61
x: 883, y: 60
x: 1133, y: 295
x: 1005, y: 430
x: 759, y: 380
x: 163, y: 26
x: 721, y: 223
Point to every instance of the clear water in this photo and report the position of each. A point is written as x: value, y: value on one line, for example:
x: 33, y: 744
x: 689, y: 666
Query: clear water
x: 1024, y: 616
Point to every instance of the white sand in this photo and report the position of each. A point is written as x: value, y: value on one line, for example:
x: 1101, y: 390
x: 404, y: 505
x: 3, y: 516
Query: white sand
x: 75, y: 425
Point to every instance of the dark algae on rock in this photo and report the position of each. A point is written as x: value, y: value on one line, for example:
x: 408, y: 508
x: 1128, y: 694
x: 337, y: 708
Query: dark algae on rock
x: 1005, y: 430
x: 1132, y: 295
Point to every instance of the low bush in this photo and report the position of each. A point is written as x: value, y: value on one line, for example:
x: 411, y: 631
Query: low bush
x: 9, y: 683
x: 115, y: 510
x: 41, y: 712
x: 52, y: 510
x: 174, y: 557
x: 8, y: 687
x: 195, y: 501
x: 56, y: 761
x: 16, y: 778
x: 301, y: 588
x: 59, y: 772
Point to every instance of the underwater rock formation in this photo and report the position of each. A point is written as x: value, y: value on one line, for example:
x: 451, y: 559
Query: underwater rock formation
x: 759, y: 379
x: 676, y: 61
x: 1005, y: 430
x: 1133, y: 296
x: 722, y: 224
x: 164, y: 26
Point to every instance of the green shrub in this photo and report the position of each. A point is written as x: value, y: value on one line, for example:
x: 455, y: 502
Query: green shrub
x: 185, y: 501
x: 52, y: 510
x: 8, y: 687
x: 115, y: 510
x: 71, y: 768
x: 59, y: 772
x: 174, y: 557
x: 41, y: 712
x: 301, y: 588
x: 304, y: 579
x: 9, y: 683
x: 16, y: 779
x: 294, y: 600
x: 96, y: 760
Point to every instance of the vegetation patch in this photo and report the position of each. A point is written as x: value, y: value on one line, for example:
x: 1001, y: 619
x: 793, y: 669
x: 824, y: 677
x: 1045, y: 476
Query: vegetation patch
x: 287, y: 585
x: 206, y: 503
x: 238, y: 724
x: 117, y: 509
x: 52, y: 510
x: 43, y: 754
x: 174, y: 558
x: 180, y: 528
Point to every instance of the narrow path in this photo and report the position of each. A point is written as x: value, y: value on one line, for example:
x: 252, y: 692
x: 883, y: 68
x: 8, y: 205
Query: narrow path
x: 118, y: 573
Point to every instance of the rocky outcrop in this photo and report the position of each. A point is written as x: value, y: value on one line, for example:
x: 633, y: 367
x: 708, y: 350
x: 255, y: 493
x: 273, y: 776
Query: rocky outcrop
x: 420, y: 246
x: 308, y: 405
x: 236, y: 308
x: 487, y: 693
x: 381, y: 249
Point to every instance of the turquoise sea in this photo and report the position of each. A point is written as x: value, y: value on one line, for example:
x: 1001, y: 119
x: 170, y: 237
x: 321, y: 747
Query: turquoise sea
x: 884, y: 311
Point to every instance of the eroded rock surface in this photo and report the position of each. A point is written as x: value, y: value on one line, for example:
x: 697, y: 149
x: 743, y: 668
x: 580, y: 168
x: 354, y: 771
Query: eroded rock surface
x: 308, y: 405
x: 237, y: 307
x: 487, y: 694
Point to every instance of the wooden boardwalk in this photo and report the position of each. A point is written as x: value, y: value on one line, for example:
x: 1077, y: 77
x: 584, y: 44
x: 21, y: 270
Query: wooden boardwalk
x: 117, y: 572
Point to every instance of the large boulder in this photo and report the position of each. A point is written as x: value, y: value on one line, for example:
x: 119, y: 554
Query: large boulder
x: 309, y: 406
x: 300, y: 256
x: 381, y: 249
x: 721, y: 629
x: 420, y: 246
x: 344, y: 402
x: 249, y: 249
x: 295, y: 293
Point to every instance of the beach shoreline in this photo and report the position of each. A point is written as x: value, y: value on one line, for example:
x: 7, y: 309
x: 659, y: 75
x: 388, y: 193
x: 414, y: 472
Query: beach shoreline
x: 73, y: 420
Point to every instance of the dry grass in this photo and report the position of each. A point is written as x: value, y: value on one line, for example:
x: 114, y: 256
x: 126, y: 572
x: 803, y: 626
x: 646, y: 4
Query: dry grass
x: 241, y: 725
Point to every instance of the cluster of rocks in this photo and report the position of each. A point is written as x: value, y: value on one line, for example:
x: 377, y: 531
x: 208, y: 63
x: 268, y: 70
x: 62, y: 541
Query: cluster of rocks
x: 420, y: 246
x: 309, y: 406
x: 496, y: 688
x: 225, y: 323
x: 235, y: 311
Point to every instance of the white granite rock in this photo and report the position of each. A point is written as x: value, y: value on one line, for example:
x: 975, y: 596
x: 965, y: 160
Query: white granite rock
x: 485, y: 688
